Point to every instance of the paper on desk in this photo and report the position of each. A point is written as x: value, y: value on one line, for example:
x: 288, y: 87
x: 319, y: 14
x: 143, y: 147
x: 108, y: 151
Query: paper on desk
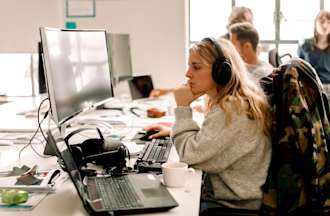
x: 142, y: 122
x: 133, y: 148
x: 20, y: 138
x: 33, y: 201
x: 9, y: 182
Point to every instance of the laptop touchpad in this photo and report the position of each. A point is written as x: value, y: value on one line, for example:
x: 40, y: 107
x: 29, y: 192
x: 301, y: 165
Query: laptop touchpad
x: 152, y: 192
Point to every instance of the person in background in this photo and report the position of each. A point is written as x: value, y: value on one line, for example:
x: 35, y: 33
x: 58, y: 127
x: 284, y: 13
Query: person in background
x: 245, y: 38
x: 316, y: 50
x: 232, y: 146
x: 238, y: 15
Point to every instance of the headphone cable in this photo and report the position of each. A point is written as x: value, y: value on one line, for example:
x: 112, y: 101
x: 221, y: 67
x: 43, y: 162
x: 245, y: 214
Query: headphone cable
x: 35, y: 133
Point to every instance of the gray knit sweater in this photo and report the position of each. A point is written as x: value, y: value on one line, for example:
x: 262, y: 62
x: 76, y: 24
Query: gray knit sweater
x: 235, y: 158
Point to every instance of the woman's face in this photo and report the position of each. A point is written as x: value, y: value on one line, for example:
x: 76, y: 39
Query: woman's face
x: 199, y: 76
x: 323, y: 26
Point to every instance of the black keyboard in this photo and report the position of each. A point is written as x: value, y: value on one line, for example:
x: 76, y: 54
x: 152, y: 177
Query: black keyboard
x: 117, y: 193
x: 153, y: 155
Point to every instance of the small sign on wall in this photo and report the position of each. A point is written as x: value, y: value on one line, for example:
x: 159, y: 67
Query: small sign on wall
x: 71, y: 25
x: 80, y: 8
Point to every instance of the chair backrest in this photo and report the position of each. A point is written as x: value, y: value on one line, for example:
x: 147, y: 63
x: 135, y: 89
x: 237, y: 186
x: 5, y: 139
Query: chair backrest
x: 275, y: 59
x: 299, y: 175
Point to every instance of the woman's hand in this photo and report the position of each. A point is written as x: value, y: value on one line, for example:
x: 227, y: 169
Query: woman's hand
x: 184, y: 96
x: 162, y: 130
x: 199, y: 108
x: 155, y: 93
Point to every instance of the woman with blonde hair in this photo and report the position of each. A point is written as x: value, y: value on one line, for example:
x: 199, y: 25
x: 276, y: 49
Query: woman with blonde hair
x: 232, y: 146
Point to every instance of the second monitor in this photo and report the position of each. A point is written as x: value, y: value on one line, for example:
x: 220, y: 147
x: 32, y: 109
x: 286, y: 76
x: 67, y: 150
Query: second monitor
x: 120, y: 56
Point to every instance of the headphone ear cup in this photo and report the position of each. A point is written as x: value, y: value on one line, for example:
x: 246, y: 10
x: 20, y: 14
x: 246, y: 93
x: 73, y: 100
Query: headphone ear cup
x: 221, y: 72
x: 216, y: 71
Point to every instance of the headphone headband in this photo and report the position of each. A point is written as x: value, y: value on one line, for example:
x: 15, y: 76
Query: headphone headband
x: 220, y: 54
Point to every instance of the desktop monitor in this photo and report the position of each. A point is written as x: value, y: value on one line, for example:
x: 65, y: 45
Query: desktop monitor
x: 120, y: 56
x: 77, y: 70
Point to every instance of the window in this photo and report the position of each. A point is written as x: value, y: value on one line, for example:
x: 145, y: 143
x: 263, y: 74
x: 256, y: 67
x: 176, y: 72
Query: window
x: 280, y: 23
x: 327, y: 4
x: 263, y: 12
x: 17, y: 71
x: 208, y: 18
x: 297, y: 19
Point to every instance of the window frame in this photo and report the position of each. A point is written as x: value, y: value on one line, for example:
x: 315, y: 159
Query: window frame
x: 277, y: 19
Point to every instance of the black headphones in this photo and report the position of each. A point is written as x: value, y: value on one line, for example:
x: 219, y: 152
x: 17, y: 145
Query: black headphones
x: 221, y: 68
x: 100, y: 151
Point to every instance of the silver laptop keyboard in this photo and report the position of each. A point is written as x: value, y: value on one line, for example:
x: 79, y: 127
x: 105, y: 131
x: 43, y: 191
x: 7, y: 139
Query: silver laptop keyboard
x: 117, y: 193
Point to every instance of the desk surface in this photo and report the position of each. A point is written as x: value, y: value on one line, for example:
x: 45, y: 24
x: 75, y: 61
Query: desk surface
x: 65, y: 200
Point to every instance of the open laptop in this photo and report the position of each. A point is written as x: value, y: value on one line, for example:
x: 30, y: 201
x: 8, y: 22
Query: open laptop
x: 140, y: 86
x: 108, y: 194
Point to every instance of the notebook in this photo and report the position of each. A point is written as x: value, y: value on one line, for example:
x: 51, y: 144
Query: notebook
x: 130, y: 193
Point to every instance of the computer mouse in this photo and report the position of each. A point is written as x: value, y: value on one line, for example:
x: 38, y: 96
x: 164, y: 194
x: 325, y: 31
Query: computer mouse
x: 147, y: 134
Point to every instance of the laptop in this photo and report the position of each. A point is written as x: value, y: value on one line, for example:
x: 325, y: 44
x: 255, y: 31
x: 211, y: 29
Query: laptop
x: 124, y: 194
x: 140, y: 86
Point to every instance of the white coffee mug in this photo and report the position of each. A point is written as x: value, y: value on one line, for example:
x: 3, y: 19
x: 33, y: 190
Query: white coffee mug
x: 175, y: 173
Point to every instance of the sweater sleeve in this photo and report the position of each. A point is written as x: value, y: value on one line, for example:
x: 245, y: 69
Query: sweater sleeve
x: 214, y: 146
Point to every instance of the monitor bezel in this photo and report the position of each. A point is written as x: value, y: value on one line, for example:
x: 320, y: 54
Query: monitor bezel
x: 49, y: 80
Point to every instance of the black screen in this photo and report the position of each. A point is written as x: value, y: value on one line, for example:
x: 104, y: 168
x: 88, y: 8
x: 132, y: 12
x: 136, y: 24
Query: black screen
x: 41, y: 73
x: 140, y: 86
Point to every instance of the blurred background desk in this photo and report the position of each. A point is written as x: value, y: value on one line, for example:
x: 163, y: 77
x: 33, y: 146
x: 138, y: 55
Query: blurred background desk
x: 65, y: 200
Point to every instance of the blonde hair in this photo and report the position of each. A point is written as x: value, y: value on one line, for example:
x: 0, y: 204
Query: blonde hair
x: 241, y: 94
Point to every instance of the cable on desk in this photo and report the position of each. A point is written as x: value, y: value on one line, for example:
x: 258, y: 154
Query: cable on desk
x: 45, y: 116
x: 35, y: 133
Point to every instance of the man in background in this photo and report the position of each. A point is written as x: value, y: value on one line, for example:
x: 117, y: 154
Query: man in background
x: 245, y: 38
x: 238, y: 15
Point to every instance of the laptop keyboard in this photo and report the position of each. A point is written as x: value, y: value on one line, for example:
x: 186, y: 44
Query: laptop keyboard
x: 118, y: 193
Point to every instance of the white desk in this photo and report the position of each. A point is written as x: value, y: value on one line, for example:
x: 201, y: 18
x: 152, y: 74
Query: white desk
x: 65, y: 200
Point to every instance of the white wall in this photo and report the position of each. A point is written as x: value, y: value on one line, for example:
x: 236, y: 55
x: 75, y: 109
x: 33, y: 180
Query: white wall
x: 157, y: 29
x: 20, y: 22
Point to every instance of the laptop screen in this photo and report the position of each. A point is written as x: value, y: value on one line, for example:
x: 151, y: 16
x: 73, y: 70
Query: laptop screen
x: 140, y: 86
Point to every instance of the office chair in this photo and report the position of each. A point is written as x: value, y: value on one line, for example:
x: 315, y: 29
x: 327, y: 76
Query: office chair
x: 275, y: 59
x: 290, y: 187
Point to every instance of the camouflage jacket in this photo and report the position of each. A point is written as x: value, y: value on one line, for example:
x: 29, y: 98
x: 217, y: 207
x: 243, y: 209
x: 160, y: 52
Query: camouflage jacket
x: 299, y: 175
